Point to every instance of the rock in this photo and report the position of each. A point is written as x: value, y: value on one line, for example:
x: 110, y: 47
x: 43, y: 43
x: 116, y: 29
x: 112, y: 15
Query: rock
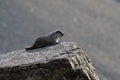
x: 64, y: 61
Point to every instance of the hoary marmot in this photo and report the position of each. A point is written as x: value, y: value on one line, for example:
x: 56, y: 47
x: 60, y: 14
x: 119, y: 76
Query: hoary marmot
x: 47, y: 40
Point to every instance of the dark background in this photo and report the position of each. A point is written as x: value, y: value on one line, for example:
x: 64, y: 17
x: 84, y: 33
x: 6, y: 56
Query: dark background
x: 93, y: 24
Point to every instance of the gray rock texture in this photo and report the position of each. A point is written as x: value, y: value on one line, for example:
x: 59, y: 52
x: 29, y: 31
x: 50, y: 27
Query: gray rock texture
x: 64, y: 61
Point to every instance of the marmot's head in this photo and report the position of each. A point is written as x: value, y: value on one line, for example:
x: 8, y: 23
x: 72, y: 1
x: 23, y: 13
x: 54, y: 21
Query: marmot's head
x: 57, y: 35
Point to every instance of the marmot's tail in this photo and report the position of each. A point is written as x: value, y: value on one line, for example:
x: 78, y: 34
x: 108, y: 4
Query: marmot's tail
x: 29, y: 48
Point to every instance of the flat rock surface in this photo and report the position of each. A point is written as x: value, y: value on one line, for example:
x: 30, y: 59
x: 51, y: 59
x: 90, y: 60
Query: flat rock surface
x: 42, y: 55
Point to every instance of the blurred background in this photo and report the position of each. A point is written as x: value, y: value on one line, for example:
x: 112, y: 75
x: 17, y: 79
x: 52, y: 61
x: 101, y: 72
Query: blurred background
x: 93, y: 24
